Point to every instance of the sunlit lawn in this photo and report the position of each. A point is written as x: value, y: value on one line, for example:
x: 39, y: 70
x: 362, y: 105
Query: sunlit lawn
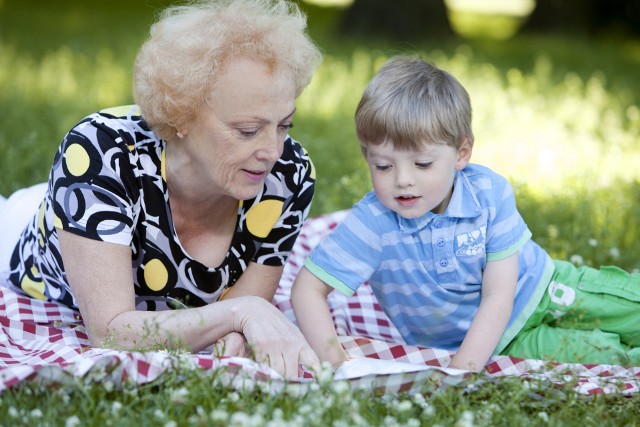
x: 558, y: 115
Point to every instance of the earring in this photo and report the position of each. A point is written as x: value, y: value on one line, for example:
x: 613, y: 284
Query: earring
x: 180, y: 135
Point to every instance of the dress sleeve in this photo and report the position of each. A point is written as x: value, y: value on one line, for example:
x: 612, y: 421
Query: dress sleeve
x: 92, y: 183
x: 289, y: 192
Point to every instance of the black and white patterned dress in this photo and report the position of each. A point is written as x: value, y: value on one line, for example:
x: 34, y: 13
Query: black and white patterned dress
x: 107, y: 183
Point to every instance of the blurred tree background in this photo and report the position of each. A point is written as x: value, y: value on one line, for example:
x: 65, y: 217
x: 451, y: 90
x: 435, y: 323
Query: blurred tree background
x: 554, y: 85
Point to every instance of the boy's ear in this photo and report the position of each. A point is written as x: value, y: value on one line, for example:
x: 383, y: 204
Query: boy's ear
x: 464, y: 154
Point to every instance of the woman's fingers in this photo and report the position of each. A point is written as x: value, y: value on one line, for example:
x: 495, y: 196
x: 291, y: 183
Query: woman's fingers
x: 231, y: 345
x: 276, y: 341
x: 309, y: 359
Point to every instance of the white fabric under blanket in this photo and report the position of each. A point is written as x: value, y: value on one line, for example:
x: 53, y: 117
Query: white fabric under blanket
x: 15, y: 213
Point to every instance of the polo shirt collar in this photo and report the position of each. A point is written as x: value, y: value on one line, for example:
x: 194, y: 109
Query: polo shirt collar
x: 463, y: 204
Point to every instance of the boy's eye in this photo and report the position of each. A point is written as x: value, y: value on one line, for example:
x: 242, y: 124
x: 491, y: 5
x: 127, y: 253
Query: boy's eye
x: 423, y: 165
x: 383, y: 167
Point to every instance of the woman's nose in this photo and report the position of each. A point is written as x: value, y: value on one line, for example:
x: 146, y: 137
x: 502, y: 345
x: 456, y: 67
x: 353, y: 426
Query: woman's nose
x: 270, y: 147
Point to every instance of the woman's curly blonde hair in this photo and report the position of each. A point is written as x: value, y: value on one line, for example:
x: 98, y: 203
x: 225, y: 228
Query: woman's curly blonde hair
x: 176, y: 69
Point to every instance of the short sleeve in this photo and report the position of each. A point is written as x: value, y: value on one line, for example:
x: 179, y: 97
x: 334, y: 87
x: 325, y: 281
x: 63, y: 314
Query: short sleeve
x: 507, y: 231
x: 284, y: 206
x: 92, y: 184
x: 349, y: 255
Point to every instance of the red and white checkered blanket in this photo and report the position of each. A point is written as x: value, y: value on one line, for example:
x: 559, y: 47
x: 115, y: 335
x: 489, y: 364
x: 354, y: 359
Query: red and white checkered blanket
x: 44, y: 342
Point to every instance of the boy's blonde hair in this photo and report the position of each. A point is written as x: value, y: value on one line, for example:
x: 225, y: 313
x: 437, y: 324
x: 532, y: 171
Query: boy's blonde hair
x: 410, y: 102
x: 177, y: 67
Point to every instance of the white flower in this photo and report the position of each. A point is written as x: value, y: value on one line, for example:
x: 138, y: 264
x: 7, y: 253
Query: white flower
x: 419, y: 399
x: 73, y: 421
x: 466, y: 420
x: 341, y: 387
x: 179, y: 395
x: 593, y: 243
x: 115, y: 407
x: 576, y: 260
x: 544, y: 416
x: 240, y: 419
x: 428, y: 410
x: 614, y: 252
x: 404, y: 406
x: 13, y: 412
x: 218, y: 415
x: 36, y: 413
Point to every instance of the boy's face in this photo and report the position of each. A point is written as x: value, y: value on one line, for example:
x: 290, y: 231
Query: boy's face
x: 412, y: 182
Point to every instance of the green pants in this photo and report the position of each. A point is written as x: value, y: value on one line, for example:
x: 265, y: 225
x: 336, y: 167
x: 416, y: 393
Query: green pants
x: 586, y: 316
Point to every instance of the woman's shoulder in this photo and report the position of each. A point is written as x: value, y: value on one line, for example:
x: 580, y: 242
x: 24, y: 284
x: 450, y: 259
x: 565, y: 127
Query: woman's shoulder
x: 121, y: 125
x: 295, y: 165
x: 294, y: 153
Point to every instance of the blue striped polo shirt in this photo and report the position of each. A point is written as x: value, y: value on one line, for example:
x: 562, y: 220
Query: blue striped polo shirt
x: 427, y: 272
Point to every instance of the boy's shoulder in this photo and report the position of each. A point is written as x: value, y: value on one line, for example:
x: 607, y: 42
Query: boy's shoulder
x: 474, y: 170
x: 482, y: 177
x: 481, y: 188
x: 369, y: 209
x: 370, y: 205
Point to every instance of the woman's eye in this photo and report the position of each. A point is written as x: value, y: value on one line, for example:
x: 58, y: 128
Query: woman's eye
x: 286, y: 127
x: 423, y: 165
x: 248, y: 133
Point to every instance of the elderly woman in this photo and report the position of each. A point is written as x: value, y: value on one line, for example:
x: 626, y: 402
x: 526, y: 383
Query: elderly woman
x: 169, y: 222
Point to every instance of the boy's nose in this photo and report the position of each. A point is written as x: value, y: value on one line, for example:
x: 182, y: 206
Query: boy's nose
x: 404, y: 178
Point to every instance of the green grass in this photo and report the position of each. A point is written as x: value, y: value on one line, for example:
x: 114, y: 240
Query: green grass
x: 192, y: 398
x: 558, y: 115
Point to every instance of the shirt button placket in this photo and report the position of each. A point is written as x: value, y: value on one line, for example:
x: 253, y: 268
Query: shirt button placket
x: 440, y: 247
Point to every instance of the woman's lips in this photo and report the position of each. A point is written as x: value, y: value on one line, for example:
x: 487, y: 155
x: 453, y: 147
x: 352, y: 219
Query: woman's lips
x: 255, y: 175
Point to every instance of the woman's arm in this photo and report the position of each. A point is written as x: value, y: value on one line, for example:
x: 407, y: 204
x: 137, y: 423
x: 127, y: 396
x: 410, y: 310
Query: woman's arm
x: 259, y: 280
x: 309, y: 300
x: 499, y: 282
x: 99, y: 274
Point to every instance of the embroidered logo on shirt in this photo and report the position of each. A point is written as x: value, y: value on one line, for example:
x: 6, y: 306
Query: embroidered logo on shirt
x: 471, y: 243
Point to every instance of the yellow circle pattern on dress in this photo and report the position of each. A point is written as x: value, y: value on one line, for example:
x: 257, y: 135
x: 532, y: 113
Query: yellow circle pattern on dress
x: 262, y: 217
x: 41, y: 229
x: 57, y: 223
x: 77, y: 159
x: 163, y: 165
x: 312, y: 173
x: 155, y: 275
x: 35, y: 288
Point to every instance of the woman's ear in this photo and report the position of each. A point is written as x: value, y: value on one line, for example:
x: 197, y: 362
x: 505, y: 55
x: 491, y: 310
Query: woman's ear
x: 464, y: 154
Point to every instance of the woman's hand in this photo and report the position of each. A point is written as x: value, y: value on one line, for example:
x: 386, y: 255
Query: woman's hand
x: 273, y: 339
x: 231, y: 345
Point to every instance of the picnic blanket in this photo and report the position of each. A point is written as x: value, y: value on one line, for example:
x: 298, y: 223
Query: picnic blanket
x: 44, y: 342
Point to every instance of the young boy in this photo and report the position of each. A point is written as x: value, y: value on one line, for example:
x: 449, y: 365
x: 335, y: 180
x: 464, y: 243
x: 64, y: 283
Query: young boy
x: 445, y: 250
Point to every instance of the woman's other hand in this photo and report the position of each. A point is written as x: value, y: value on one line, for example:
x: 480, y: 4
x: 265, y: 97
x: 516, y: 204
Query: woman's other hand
x: 273, y: 339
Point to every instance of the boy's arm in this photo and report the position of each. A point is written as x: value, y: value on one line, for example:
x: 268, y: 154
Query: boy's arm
x: 499, y: 282
x: 309, y: 300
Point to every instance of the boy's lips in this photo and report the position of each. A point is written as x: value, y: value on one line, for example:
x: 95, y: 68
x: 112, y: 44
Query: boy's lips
x: 407, y: 200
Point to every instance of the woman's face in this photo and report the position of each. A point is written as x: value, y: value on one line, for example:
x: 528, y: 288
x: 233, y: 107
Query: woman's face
x: 238, y: 138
